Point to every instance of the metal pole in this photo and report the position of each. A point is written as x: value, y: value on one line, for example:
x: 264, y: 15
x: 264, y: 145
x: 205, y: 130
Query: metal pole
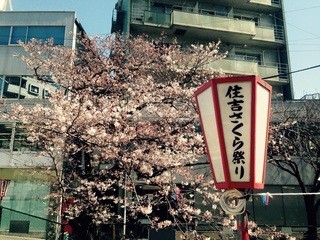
x: 125, y: 208
x: 0, y: 210
x: 62, y: 232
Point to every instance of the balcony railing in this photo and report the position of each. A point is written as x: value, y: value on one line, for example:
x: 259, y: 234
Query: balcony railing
x: 234, y: 66
x: 156, y: 18
x: 279, y: 33
x: 207, y: 19
x: 249, y: 65
x: 213, y: 22
x: 265, y: 2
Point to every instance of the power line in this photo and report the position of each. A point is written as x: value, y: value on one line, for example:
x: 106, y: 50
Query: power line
x: 304, y: 39
x: 304, y: 44
x: 289, y: 73
x: 303, y: 30
x: 296, y: 27
x: 302, y: 9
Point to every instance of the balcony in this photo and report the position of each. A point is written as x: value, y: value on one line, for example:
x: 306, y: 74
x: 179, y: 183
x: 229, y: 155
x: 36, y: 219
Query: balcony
x: 157, y: 19
x: 236, y: 67
x: 263, y: 6
x: 264, y: 34
x: 267, y: 71
x: 205, y: 24
x: 271, y: 3
x: 211, y: 22
x: 245, y: 67
x: 263, y: 2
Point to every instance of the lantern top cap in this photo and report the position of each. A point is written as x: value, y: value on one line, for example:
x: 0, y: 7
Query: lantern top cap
x: 246, y: 78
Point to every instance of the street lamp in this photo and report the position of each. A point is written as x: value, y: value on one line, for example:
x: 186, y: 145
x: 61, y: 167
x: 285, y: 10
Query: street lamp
x: 234, y: 115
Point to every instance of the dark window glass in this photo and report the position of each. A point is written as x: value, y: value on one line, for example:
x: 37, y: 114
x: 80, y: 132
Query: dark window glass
x: 11, y: 87
x: 16, y: 87
x: 23, y: 83
x: 18, y: 34
x: 163, y: 8
x: 5, y: 135
x: 20, y: 142
x: 14, y: 80
x: 4, y: 35
x: 34, y: 90
x: 46, y: 32
x: 221, y: 11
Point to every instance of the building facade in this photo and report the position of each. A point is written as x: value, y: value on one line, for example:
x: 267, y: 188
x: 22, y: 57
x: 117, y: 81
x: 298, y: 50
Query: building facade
x: 251, y: 31
x: 20, y: 165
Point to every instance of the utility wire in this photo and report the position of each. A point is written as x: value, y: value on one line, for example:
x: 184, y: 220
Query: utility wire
x: 286, y: 22
x: 301, y: 9
x: 304, y: 39
x: 284, y: 194
x: 289, y: 73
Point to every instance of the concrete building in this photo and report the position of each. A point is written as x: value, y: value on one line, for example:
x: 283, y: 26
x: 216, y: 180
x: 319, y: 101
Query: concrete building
x: 20, y: 163
x: 252, y: 31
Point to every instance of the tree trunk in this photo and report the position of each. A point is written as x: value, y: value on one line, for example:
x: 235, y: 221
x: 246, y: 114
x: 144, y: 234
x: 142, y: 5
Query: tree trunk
x: 311, y: 217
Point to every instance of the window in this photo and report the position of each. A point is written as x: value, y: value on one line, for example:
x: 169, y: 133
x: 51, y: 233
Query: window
x: 161, y: 8
x: 33, y: 90
x: 44, y: 33
x: 12, y: 87
x: 4, y: 35
x: 20, y: 142
x: 16, y: 87
x: 249, y: 57
x: 26, y: 33
x: 18, y: 34
x: 221, y: 11
x: 14, y: 138
x: 5, y: 135
x: 27, y: 197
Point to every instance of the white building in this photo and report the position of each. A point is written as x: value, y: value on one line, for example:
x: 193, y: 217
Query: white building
x: 18, y: 160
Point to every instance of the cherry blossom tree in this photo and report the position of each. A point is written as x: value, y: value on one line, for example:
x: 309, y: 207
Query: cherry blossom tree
x: 121, y: 121
x: 294, y: 148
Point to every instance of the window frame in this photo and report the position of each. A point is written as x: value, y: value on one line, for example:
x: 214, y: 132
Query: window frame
x: 12, y: 32
x: 28, y: 87
x: 56, y: 31
x: 18, y: 139
x: 4, y: 35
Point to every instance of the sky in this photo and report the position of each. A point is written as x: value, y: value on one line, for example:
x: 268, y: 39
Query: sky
x: 303, y: 32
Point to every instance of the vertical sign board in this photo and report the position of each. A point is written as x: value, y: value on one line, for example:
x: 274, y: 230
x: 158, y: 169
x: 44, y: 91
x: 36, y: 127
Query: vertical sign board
x: 234, y: 114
